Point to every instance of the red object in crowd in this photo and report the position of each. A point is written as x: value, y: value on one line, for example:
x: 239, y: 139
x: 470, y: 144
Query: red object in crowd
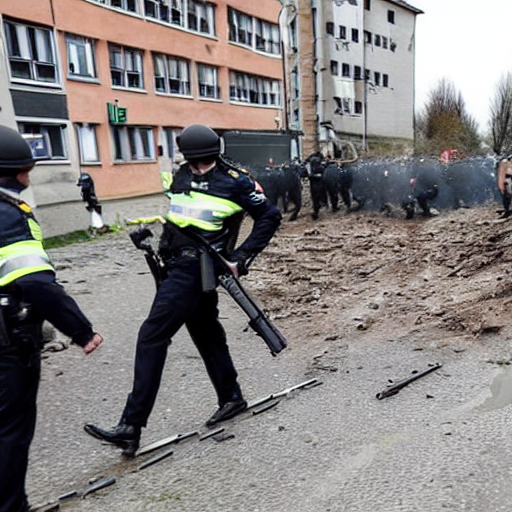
x: 449, y: 155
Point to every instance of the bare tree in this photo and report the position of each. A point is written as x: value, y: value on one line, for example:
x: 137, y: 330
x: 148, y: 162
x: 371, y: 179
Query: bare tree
x: 446, y: 124
x: 501, y: 116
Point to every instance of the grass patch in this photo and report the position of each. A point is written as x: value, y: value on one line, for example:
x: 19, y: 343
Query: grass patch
x: 55, y: 242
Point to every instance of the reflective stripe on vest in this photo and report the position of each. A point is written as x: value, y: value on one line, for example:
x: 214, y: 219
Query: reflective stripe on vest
x: 22, y: 258
x: 200, y: 210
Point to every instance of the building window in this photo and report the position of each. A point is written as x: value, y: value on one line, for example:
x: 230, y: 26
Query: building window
x: 80, y: 57
x: 357, y: 72
x: 391, y: 16
x: 87, y: 143
x: 367, y: 4
x: 384, y: 42
x: 255, y: 89
x: 126, y: 67
x: 345, y: 69
x: 385, y: 80
x: 208, y: 81
x: 377, y: 39
x: 355, y: 35
x: 172, y: 75
x: 342, y: 32
x: 158, y: 9
x: 358, y: 107
x: 295, y: 84
x: 31, y: 51
x: 133, y: 143
x: 240, y: 27
x: 329, y: 28
x: 172, y: 146
x: 53, y: 135
x: 377, y: 78
x: 201, y: 17
x: 177, y: 17
x: 334, y: 67
x: 267, y: 37
x: 367, y: 37
x: 125, y: 5
x: 293, y: 33
x: 367, y: 75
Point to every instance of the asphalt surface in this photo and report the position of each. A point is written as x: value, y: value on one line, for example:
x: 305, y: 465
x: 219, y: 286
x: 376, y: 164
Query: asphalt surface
x: 442, y: 443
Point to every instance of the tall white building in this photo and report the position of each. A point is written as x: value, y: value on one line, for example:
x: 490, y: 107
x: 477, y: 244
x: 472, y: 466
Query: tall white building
x: 351, y: 71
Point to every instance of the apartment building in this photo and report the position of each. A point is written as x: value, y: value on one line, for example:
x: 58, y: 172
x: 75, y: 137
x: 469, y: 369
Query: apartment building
x: 351, y: 72
x: 108, y: 84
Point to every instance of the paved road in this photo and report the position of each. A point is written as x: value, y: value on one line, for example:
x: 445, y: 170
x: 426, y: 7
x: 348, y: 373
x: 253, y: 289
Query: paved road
x: 443, y: 443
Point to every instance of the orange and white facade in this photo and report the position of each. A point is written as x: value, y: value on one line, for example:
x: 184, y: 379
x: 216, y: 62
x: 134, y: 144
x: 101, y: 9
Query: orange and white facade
x: 109, y: 84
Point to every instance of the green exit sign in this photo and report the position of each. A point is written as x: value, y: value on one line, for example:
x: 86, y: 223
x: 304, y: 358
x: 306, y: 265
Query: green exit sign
x: 117, y: 114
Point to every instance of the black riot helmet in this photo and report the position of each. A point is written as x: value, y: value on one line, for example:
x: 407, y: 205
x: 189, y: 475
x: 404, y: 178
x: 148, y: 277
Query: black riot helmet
x: 15, y: 153
x: 198, y: 142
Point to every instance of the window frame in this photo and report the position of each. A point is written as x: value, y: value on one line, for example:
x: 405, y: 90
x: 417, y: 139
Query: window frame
x: 207, y: 90
x: 26, y: 44
x: 168, y: 62
x: 125, y: 143
x: 88, y: 45
x: 253, y: 89
x: 50, y: 132
x: 87, y: 129
x: 161, y: 10
x: 126, y: 74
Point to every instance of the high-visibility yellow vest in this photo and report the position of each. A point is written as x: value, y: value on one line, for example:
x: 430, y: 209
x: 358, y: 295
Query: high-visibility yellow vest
x: 27, y: 255
x: 200, y: 210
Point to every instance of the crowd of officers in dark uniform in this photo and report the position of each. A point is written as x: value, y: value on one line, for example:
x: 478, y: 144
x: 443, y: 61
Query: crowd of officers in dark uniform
x: 414, y: 185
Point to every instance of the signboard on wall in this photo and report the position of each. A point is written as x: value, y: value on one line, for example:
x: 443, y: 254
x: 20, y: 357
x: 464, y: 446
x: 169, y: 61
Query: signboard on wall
x: 116, y: 114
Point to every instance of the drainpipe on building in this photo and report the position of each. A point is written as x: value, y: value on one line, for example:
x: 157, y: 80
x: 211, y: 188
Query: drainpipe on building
x: 283, y: 26
x: 365, y: 87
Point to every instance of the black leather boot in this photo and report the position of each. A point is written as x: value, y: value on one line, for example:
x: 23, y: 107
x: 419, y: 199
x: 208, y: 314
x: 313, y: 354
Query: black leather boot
x: 125, y: 436
x: 227, y: 411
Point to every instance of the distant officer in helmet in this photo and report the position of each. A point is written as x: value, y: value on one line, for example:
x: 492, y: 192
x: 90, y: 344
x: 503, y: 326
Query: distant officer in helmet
x: 29, y: 295
x: 208, y: 195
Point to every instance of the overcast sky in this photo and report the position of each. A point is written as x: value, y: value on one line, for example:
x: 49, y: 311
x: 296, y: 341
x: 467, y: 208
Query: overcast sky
x: 467, y: 41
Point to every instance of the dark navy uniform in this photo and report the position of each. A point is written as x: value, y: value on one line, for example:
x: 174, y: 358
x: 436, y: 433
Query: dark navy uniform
x: 29, y: 295
x: 213, y: 204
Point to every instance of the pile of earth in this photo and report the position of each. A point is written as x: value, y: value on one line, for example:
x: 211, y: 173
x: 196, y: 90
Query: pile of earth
x: 375, y: 273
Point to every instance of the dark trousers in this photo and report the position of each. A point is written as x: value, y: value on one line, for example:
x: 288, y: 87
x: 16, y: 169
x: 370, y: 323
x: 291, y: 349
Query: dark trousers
x: 180, y: 300
x: 18, y: 393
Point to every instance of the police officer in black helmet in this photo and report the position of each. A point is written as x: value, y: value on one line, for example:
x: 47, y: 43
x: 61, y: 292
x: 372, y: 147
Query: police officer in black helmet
x: 29, y: 295
x: 207, y: 195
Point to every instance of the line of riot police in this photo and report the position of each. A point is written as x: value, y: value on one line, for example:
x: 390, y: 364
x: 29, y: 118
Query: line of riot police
x: 390, y: 185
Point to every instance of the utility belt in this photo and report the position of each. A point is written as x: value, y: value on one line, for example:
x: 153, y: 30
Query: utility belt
x: 207, y: 266
x: 18, y: 332
x: 185, y: 253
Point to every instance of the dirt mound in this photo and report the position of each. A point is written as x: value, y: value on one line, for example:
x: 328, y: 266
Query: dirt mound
x: 370, y: 272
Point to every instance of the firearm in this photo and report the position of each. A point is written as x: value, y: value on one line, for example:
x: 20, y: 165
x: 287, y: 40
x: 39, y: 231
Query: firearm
x: 258, y: 321
x: 393, y: 389
x: 155, y: 263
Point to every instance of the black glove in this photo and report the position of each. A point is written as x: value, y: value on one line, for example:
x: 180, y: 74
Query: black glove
x: 241, y: 258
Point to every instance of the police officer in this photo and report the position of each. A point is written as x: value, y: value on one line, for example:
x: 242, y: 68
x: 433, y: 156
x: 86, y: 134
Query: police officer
x: 209, y: 196
x: 316, y: 184
x: 29, y: 295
